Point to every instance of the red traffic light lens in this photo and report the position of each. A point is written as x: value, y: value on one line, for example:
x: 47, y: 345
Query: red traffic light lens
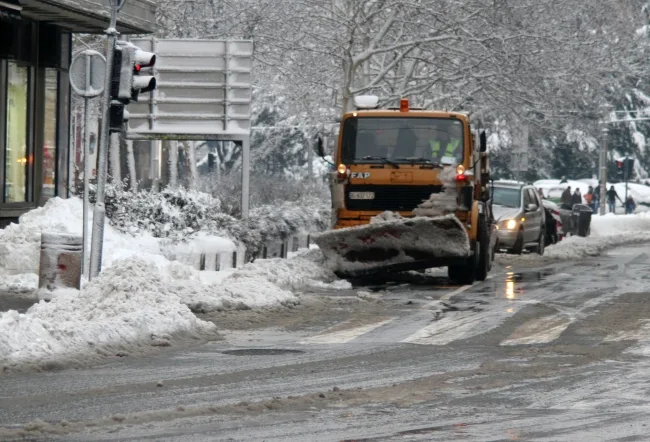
x: 137, y: 68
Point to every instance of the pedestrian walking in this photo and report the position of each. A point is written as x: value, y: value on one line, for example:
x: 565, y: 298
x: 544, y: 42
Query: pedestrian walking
x: 612, y: 196
x: 595, y: 199
x: 566, y: 198
x: 576, y: 198
x: 630, y: 205
x: 589, y: 197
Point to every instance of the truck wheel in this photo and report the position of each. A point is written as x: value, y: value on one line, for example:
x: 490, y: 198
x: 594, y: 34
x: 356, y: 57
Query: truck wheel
x: 463, y: 274
x: 484, y: 255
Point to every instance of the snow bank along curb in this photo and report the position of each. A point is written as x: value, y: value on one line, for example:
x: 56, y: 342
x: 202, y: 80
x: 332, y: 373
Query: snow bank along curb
x: 607, y: 231
x: 193, y: 287
x: 178, y: 215
x: 128, y: 308
x: 142, y: 299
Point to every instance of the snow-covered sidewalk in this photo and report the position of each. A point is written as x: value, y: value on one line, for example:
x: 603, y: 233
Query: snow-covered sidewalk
x: 141, y: 299
x: 607, y: 231
x: 127, y: 309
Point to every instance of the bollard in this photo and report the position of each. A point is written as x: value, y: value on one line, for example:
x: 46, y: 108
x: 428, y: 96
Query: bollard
x: 60, y: 262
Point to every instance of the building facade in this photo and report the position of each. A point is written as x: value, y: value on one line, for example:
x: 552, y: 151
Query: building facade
x: 35, y: 55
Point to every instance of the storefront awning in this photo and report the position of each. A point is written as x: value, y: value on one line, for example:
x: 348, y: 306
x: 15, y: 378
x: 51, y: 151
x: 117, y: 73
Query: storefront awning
x: 91, y: 16
x: 10, y: 10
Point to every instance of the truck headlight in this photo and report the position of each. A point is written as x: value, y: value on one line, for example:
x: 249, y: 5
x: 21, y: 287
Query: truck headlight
x: 511, y: 224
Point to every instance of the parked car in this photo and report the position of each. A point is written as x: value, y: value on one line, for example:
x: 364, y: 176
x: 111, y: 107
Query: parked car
x: 520, y: 217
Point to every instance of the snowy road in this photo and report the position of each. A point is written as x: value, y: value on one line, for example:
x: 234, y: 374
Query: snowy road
x: 545, y: 353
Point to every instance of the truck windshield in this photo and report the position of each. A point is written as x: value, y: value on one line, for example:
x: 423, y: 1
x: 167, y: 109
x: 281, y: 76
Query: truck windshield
x: 405, y: 140
x: 506, y: 196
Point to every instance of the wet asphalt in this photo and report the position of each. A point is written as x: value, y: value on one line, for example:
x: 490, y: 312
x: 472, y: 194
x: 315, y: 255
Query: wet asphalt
x: 552, y: 352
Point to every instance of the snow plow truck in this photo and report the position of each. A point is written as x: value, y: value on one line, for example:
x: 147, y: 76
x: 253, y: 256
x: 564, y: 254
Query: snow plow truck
x: 410, y: 191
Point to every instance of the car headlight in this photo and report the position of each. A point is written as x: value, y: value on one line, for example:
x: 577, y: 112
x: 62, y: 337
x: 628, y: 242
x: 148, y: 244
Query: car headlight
x: 511, y: 224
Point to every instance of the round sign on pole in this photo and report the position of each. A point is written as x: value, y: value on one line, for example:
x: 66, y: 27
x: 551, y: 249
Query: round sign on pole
x: 88, y: 74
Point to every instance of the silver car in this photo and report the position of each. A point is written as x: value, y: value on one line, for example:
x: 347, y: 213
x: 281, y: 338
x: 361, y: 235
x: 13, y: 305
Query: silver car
x: 520, y: 217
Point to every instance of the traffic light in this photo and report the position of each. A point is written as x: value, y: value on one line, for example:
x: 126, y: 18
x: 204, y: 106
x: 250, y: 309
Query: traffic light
x: 118, y: 116
x: 131, y: 81
x: 628, y: 168
x: 127, y: 81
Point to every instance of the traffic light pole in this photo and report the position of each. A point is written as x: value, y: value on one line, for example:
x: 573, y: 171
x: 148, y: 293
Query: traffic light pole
x: 603, y: 172
x: 99, y: 213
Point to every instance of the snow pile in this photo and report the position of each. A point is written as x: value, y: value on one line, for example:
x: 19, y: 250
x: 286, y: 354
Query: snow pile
x: 610, y: 224
x: 178, y: 215
x: 385, y: 216
x: 126, y: 309
x: 607, y: 231
x: 438, y: 203
x: 20, y: 243
x: 21, y: 283
x: 444, y: 202
x: 261, y: 284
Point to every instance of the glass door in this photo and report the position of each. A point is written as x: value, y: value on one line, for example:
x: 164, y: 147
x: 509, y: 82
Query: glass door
x: 16, y: 152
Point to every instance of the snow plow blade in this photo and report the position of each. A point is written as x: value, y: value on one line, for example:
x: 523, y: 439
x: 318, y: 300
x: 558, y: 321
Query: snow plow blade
x: 395, y: 246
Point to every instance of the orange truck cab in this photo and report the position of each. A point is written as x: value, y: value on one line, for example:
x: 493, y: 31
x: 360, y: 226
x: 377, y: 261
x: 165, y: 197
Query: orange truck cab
x: 394, y: 159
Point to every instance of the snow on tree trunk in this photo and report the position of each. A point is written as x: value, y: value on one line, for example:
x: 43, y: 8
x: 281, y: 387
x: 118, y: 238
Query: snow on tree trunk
x: 116, y: 171
x: 130, y: 159
x: 173, y: 164
x: 190, y: 146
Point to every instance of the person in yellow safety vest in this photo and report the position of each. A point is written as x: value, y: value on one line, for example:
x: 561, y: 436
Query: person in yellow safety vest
x: 452, y: 149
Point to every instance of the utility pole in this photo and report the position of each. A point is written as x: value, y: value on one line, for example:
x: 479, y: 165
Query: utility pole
x: 603, y: 171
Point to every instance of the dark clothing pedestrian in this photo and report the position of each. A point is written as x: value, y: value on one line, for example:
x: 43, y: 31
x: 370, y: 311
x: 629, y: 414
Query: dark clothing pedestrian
x: 612, y: 196
x: 630, y: 205
x: 576, y: 198
x: 566, y: 198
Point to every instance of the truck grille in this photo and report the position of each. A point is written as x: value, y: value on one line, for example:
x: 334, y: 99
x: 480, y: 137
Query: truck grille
x: 393, y: 198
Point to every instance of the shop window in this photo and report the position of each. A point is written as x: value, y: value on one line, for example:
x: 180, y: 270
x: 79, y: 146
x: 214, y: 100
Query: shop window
x: 16, y: 152
x: 50, y: 135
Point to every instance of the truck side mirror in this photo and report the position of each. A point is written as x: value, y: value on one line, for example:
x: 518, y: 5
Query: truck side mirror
x: 483, y: 142
x: 320, y: 149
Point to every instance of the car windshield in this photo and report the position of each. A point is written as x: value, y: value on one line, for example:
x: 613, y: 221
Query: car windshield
x: 506, y: 196
x: 402, y: 140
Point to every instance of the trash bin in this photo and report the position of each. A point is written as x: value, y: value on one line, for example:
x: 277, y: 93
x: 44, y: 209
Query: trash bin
x: 60, y: 263
x: 581, y: 214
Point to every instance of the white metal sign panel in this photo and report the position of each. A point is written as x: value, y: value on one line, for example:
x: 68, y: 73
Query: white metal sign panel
x: 204, y: 90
